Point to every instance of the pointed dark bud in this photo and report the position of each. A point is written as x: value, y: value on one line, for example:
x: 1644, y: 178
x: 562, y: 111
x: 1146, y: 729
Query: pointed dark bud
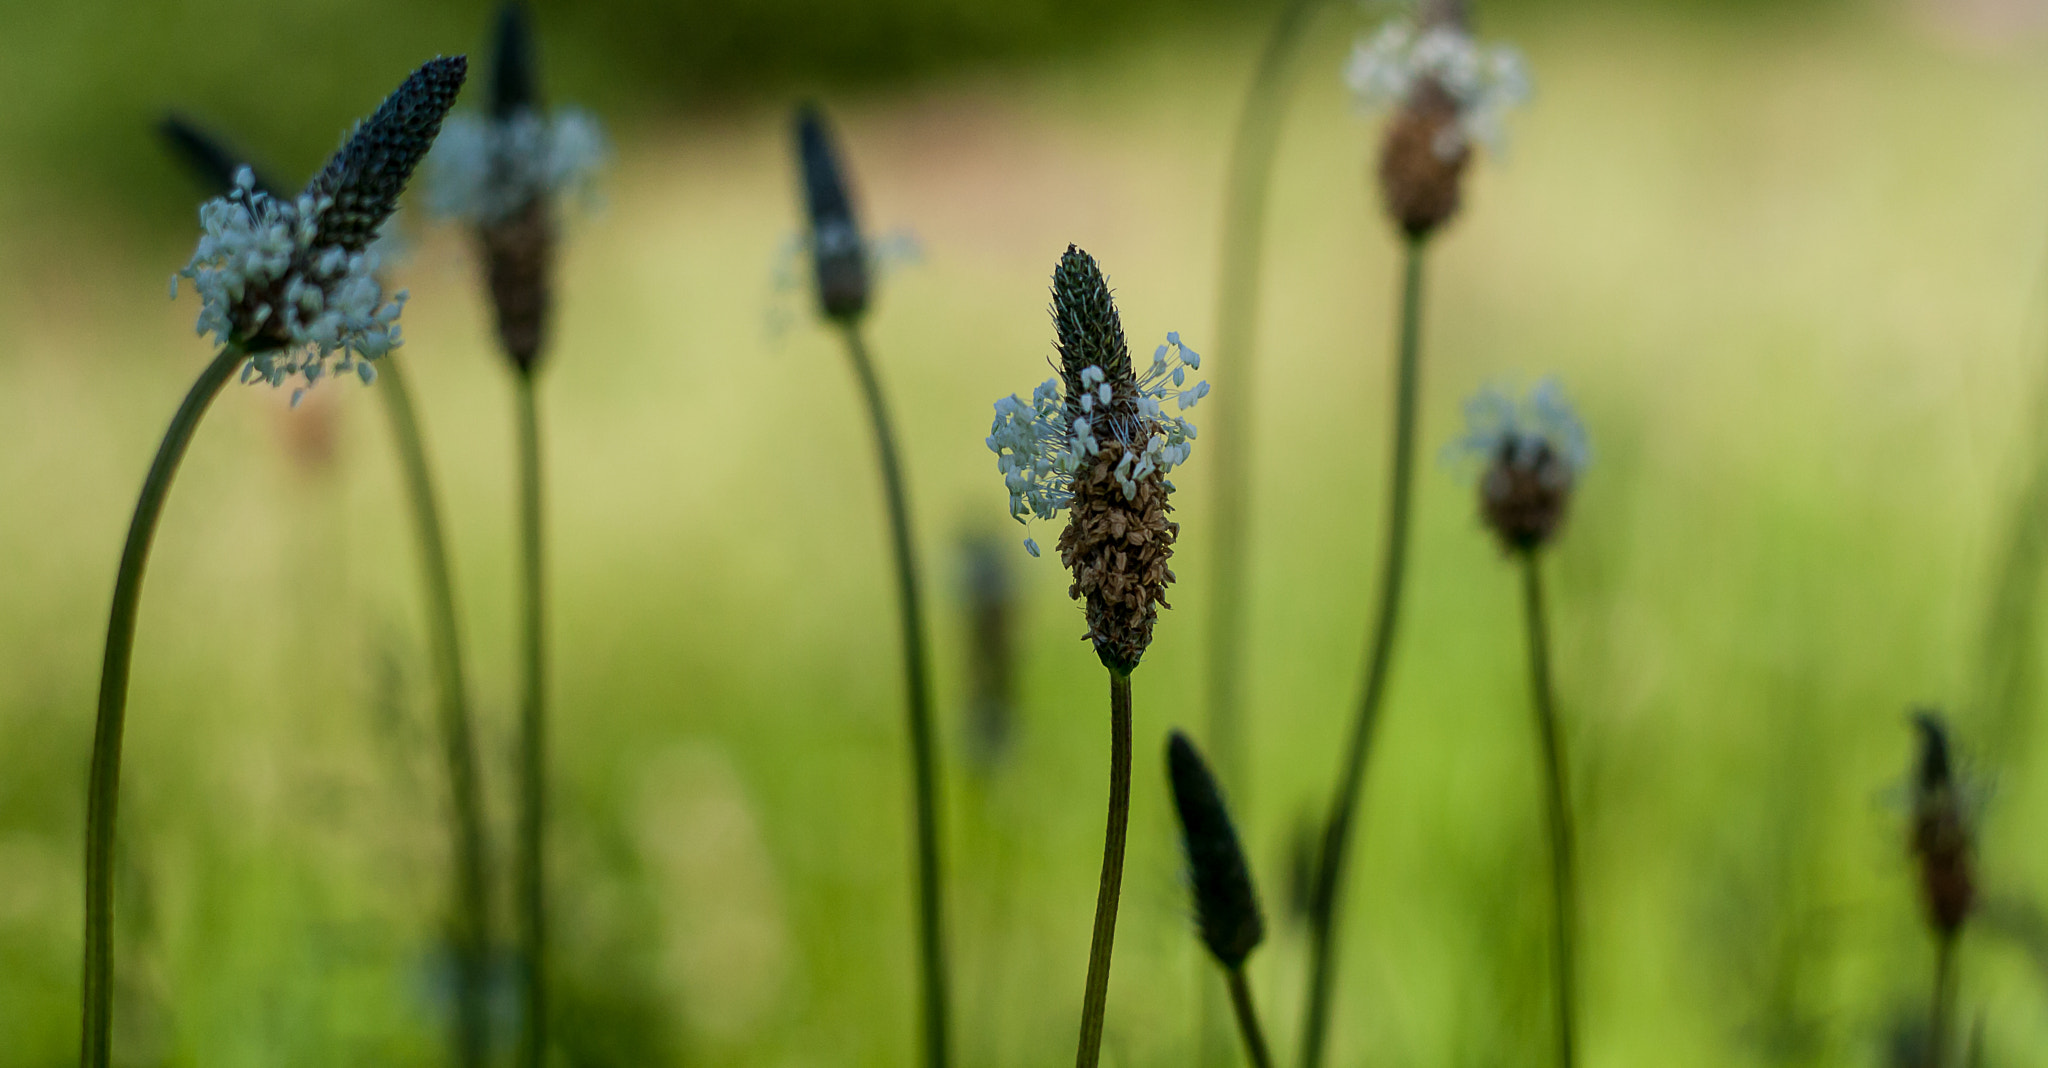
x: 369, y: 172
x: 515, y: 73
x: 212, y: 161
x: 1226, y: 905
x: 1085, y: 318
x: 1941, y: 832
x: 838, y: 249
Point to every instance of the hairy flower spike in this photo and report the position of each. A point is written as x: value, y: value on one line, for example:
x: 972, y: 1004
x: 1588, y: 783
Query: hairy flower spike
x: 1448, y: 92
x: 1534, y: 452
x: 839, y: 251
x: 1226, y: 902
x: 1098, y: 442
x: 1941, y: 839
x: 503, y: 174
x: 363, y: 180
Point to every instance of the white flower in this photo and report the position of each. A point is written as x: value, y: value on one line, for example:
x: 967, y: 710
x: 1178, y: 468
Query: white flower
x: 1486, y: 82
x: 483, y: 170
x: 1040, y: 444
x: 262, y: 281
x: 1495, y: 422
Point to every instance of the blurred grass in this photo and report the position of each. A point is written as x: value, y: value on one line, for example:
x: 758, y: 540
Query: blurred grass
x: 1789, y: 263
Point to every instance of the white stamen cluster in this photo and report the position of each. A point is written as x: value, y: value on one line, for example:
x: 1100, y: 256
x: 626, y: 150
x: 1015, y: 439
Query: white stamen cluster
x: 260, y: 276
x: 1486, y: 82
x: 1040, y: 444
x: 485, y: 170
x: 1495, y: 420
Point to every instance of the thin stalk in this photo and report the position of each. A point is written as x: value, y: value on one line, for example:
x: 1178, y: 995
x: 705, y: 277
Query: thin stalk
x: 1096, y: 999
x: 1327, y: 900
x: 458, y: 746
x: 532, y: 731
x: 1252, y: 150
x: 1248, y: 1020
x: 917, y: 691
x: 1564, y: 902
x: 1941, y: 1016
x: 104, y: 789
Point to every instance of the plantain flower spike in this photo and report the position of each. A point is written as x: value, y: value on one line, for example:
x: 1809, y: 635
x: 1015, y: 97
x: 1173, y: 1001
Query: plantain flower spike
x: 1941, y: 840
x: 839, y: 251
x: 1534, y: 451
x: 1447, y: 92
x: 503, y: 174
x: 293, y: 280
x: 1098, y: 441
x: 1226, y: 902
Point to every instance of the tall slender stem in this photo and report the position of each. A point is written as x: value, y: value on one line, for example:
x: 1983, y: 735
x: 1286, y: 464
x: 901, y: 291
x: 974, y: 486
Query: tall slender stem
x: 104, y: 788
x: 532, y: 730
x: 1941, y: 1015
x: 1248, y: 1019
x: 1096, y: 999
x: 1326, y: 906
x: 1564, y: 902
x: 916, y: 682
x: 471, y: 922
x: 1252, y: 150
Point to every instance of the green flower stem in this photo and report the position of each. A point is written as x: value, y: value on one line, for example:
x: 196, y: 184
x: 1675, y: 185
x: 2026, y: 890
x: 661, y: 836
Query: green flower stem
x: 532, y: 731
x: 916, y: 682
x: 1564, y: 894
x: 1253, y: 148
x: 103, y: 792
x: 458, y: 746
x: 1327, y: 900
x: 1248, y: 1020
x: 1096, y: 999
x: 1942, y: 1014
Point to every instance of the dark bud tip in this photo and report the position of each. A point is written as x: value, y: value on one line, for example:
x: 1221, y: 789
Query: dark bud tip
x: 212, y: 161
x: 369, y: 172
x: 1226, y: 905
x: 1941, y: 832
x: 838, y: 250
x: 1085, y: 318
x: 515, y: 73
x: 1934, y: 769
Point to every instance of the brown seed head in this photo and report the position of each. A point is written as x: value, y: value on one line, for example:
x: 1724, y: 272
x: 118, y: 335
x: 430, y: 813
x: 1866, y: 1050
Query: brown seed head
x: 1118, y: 540
x: 1941, y: 834
x: 1525, y: 492
x: 518, y: 250
x: 1422, y: 161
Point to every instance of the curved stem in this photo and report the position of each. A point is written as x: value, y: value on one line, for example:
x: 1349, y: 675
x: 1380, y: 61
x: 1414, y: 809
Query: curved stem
x: 1941, y: 1017
x: 917, y: 687
x: 1564, y: 903
x: 1248, y: 1020
x: 1327, y: 900
x: 1252, y: 150
x: 458, y: 746
x: 532, y: 731
x: 1096, y: 999
x: 103, y: 791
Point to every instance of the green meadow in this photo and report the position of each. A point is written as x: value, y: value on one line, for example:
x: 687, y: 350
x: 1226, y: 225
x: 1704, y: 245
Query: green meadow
x: 1792, y: 265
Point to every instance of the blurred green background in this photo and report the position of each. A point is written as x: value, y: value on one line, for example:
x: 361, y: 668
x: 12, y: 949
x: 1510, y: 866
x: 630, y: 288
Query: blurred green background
x: 1788, y: 257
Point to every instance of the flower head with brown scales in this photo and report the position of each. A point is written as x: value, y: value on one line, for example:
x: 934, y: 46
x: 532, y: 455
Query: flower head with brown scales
x: 1097, y: 442
x: 1534, y: 451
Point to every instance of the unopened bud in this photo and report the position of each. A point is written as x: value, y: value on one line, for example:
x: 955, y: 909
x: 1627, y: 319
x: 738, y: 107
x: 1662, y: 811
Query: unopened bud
x: 1226, y: 903
x: 1941, y: 833
x: 839, y: 251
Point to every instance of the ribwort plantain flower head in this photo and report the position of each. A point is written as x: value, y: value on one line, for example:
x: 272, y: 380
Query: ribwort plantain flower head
x: 1226, y: 902
x: 1533, y: 450
x: 293, y: 280
x: 1941, y: 838
x: 1097, y: 441
x: 838, y: 249
x: 504, y: 173
x: 1447, y: 92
